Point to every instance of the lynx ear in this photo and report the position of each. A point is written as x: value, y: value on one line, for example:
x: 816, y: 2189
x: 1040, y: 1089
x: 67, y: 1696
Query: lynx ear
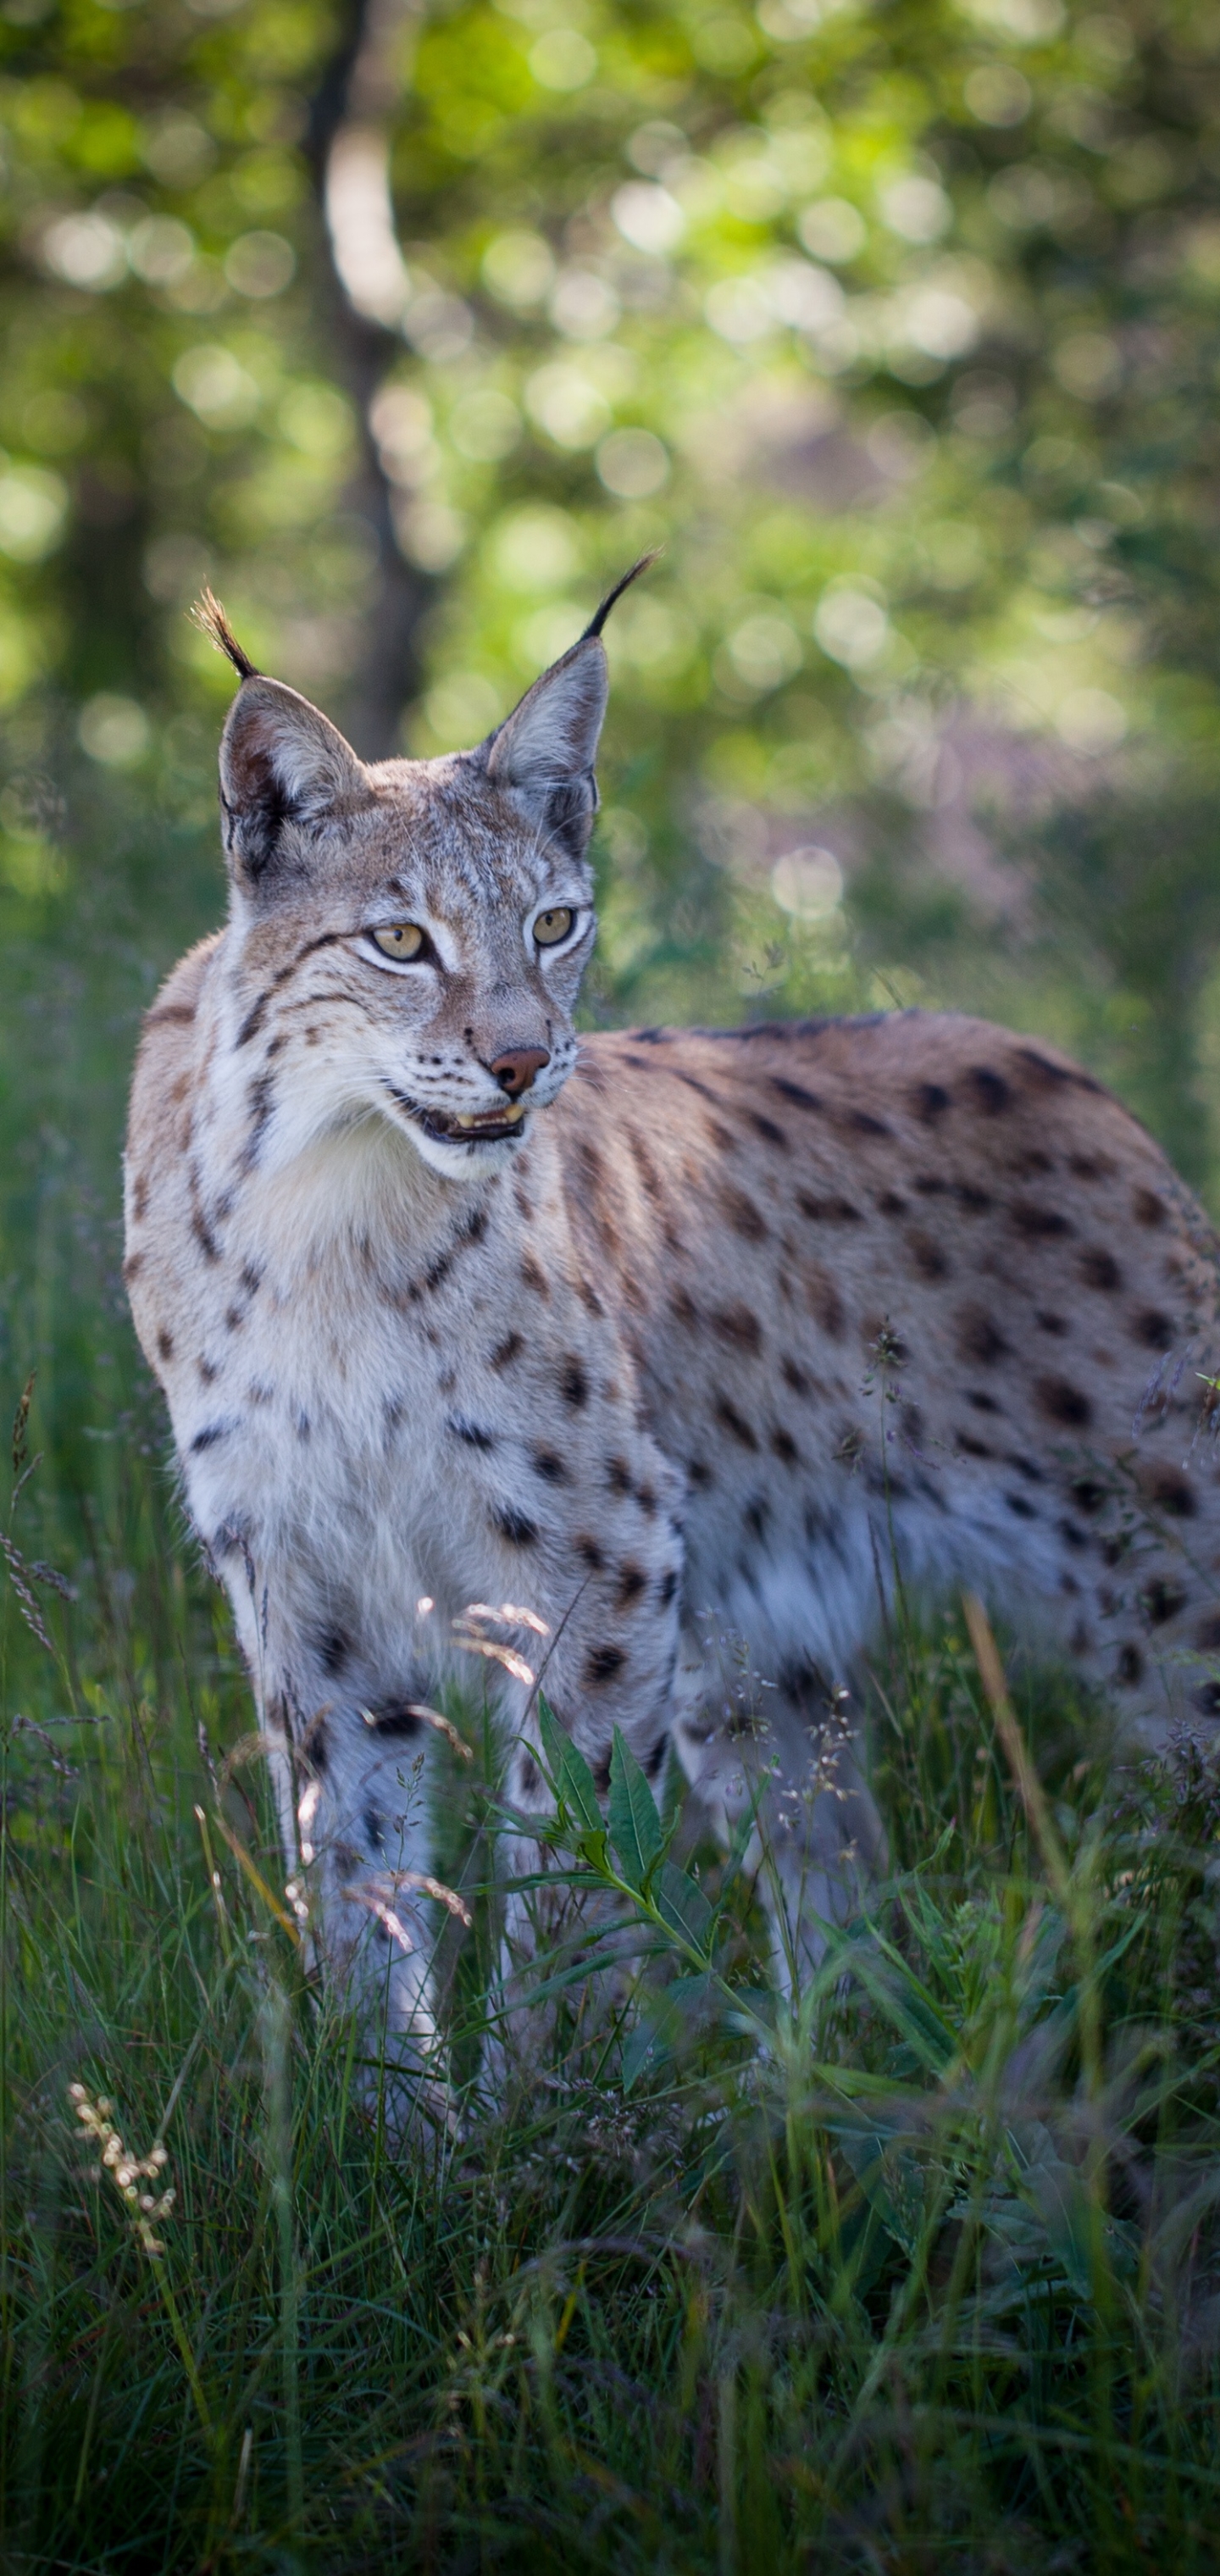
x: 547, y: 747
x: 281, y: 765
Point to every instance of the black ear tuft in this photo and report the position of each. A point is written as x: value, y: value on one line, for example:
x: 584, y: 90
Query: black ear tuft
x: 208, y: 615
x: 598, y: 619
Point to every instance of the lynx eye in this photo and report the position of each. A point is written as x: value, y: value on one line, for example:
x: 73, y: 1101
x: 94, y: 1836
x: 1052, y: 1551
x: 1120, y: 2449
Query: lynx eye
x: 551, y: 927
x: 403, y: 939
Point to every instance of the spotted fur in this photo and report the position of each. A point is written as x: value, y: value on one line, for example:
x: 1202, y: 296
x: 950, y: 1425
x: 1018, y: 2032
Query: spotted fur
x: 725, y: 1328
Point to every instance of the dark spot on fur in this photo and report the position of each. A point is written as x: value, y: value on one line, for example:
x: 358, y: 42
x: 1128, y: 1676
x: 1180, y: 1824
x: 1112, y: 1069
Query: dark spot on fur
x: 980, y: 1401
x: 991, y: 1092
x: 739, y: 1325
x: 767, y: 1129
x: 618, y: 1475
x: 1207, y: 1699
x: 506, y: 1351
x: 1207, y: 1634
x: 796, y: 1093
x: 979, y: 1339
x: 742, y: 1215
x: 1168, y: 1487
x: 827, y: 1211
x: 975, y: 1201
x: 529, y: 1777
x: 732, y: 1420
x: 333, y: 1649
x: 1037, y: 1224
x: 208, y: 1371
x: 1162, y: 1600
x: 550, y: 1466
x: 1099, y: 1269
x: 794, y: 1377
x: 1060, y: 1401
x: 210, y: 1434
x: 785, y: 1448
x: 535, y: 1277
x: 165, y: 1344
x: 315, y: 1746
x: 927, y: 1258
x: 514, y: 1526
x: 667, y: 1587
x: 1048, y: 1323
x: 699, y: 1473
x: 1071, y: 1535
x: 1130, y: 1666
x: 631, y: 1582
x: 756, y: 1515
x: 889, y: 1204
x: 590, y: 1554
x: 929, y: 1101
x: 573, y: 1384
x: 204, y: 1236
x: 1147, y: 1208
x: 1153, y: 1329
x: 654, y: 1762
x: 1019, y: 1504
x: 472, y: 1433
x: 603, y: 1664
x: 973, y: 1448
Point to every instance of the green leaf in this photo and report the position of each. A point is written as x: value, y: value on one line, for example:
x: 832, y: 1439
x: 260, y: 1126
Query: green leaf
x: 635, y: 1826
x: 662, y: 2017
x: 682, y: 1906
x: 570, y: 1772
x: 553, y: 1739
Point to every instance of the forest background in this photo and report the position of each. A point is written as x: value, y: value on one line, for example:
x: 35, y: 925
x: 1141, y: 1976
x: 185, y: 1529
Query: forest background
x: 898, y: 327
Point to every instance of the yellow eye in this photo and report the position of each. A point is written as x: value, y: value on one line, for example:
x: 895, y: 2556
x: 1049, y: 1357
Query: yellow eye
x: 404, y: 940
x: 551, y: 927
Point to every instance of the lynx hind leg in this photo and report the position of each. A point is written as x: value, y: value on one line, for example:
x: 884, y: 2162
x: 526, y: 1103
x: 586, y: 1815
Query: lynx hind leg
x: 787, y: 1755
x: 362, y: 1860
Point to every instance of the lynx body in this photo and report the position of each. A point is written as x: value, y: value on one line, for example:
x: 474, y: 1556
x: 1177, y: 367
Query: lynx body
x: 627, y: 1333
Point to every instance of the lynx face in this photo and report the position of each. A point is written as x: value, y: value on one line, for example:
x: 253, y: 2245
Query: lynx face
x: 411, y: 935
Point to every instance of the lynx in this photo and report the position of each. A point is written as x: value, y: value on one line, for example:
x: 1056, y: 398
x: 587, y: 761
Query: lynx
x: 480, y: 1333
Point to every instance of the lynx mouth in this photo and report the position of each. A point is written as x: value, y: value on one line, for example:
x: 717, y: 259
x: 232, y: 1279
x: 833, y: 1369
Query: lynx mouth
x: 460, y: 1127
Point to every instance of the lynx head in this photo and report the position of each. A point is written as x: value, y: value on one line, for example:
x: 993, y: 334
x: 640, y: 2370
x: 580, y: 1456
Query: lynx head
x: 407, y: 937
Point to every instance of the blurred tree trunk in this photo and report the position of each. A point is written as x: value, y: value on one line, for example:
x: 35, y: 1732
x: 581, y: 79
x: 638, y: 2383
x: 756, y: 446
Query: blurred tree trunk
x: 349, y: 146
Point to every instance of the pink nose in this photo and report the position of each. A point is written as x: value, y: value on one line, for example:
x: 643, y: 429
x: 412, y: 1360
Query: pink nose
x: 515, y: 1071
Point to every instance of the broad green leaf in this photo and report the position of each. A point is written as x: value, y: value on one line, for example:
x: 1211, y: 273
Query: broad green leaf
x: 683, y: 1906
x: 662, y: 2018
x: 635, y: 1826
x: 570, y: 1772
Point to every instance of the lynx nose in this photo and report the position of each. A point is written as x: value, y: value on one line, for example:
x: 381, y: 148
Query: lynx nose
x: 515, y: 1071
